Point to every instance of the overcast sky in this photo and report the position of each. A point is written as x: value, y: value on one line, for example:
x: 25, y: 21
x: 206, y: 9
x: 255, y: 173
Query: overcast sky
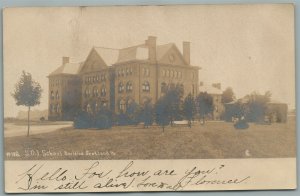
x: 249, y: 48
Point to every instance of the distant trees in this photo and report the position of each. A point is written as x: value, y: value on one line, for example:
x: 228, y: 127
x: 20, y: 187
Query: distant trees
x: 205, y: 106
x: 257, y: 106
x: 27, y: 93
x: 228, y: 95
x: 253, y: 107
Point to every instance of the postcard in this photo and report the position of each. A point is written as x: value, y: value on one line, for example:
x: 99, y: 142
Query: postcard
x: 149, y: 98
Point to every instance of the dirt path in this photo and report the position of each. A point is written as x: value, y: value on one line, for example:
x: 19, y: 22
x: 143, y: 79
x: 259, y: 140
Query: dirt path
x: 12, y: 130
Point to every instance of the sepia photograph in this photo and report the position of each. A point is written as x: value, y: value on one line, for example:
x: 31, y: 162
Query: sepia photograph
x: 177, y: 82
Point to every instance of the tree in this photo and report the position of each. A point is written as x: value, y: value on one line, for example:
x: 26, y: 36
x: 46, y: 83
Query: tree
x: 162, y: 112
x: 189, y: 108
x: 147, y: 114
x: 27, y: 93
x: 257, y: 106
x: 204, y: 104
x: 228, y: 95
x: 132, y: 113
x: 173, y: 98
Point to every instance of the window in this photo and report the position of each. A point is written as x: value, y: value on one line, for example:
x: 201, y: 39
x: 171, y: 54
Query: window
x: 146, y: 71
x: 97, y: 78
x: 88, y: 108
x: 167, y: 73
x: 193, y: 89
x: 103, y: 91
x: 130, y: 70
x: 122, y: 105
x: 146, y: 86
x: 57, y: 95
x: 176, y: 74
x: 128, y: 87
x: 52, y: 95
x: 180, y: 74
x: 53, y: 109
x: 87, y: 92
x: 96, y: 107
x: 95, y: 92
x: 172, y: 73
x: 57, y: 108
x: 121, y: 87
x: 164, y: 73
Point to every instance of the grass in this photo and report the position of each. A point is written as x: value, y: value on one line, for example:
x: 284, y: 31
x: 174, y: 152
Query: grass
x: 211, y: 141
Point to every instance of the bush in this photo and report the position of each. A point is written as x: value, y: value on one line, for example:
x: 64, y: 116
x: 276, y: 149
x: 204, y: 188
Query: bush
x: 241, y: 124
x: 83, y: 121
x: 123, y: 119
x: 102, y: 121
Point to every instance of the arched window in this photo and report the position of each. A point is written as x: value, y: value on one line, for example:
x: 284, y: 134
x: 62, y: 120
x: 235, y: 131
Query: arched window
x: 88, y: 108
x: 122, y: 105
x: 128, y: 86
x: 172, y: 73
x: 176, y: 74
x: 163, y: 87
x: 96, y: 107
x: 95, y: 92
x: 167, y: 73
x: 52, y: 95
x: 146, y: 86
x: 57, y: 95
x: 120, y: 87
x: 57, y: 108
x: 87, y: 92
x: 53, y: 109
x: 164, y: 73
x: 103, y: 91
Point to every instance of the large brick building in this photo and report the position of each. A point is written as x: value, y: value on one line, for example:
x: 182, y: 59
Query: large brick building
x: 115, y: 77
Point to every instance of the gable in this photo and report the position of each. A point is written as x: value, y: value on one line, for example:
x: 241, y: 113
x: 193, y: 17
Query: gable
x: 172, y: 56
x: 93, y: 63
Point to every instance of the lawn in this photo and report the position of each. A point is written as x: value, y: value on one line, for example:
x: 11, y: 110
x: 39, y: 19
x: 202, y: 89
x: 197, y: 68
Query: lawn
x: 210, y: 141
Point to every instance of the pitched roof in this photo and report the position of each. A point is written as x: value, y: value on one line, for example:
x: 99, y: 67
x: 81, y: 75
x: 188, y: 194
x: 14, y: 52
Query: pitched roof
x: 108, y: 55
x: 161, y: 50
x: 68, y: 68
x: 210, y: 90
x: 139, y: 52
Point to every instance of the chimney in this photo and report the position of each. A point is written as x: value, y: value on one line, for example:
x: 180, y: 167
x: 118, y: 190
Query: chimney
x: 65, y: 60
x: 217, y: 85
x: 186, y: 52
x: 151, y: 43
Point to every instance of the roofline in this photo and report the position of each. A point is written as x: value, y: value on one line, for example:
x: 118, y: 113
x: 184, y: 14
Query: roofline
x: 64, y: 74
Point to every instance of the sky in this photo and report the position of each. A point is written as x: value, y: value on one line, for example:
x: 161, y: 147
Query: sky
x: 246, y: 47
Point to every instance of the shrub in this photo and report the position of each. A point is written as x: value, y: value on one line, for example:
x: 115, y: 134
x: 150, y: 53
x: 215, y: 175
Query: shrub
x: 102, y: 121
x: 83, y: 121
